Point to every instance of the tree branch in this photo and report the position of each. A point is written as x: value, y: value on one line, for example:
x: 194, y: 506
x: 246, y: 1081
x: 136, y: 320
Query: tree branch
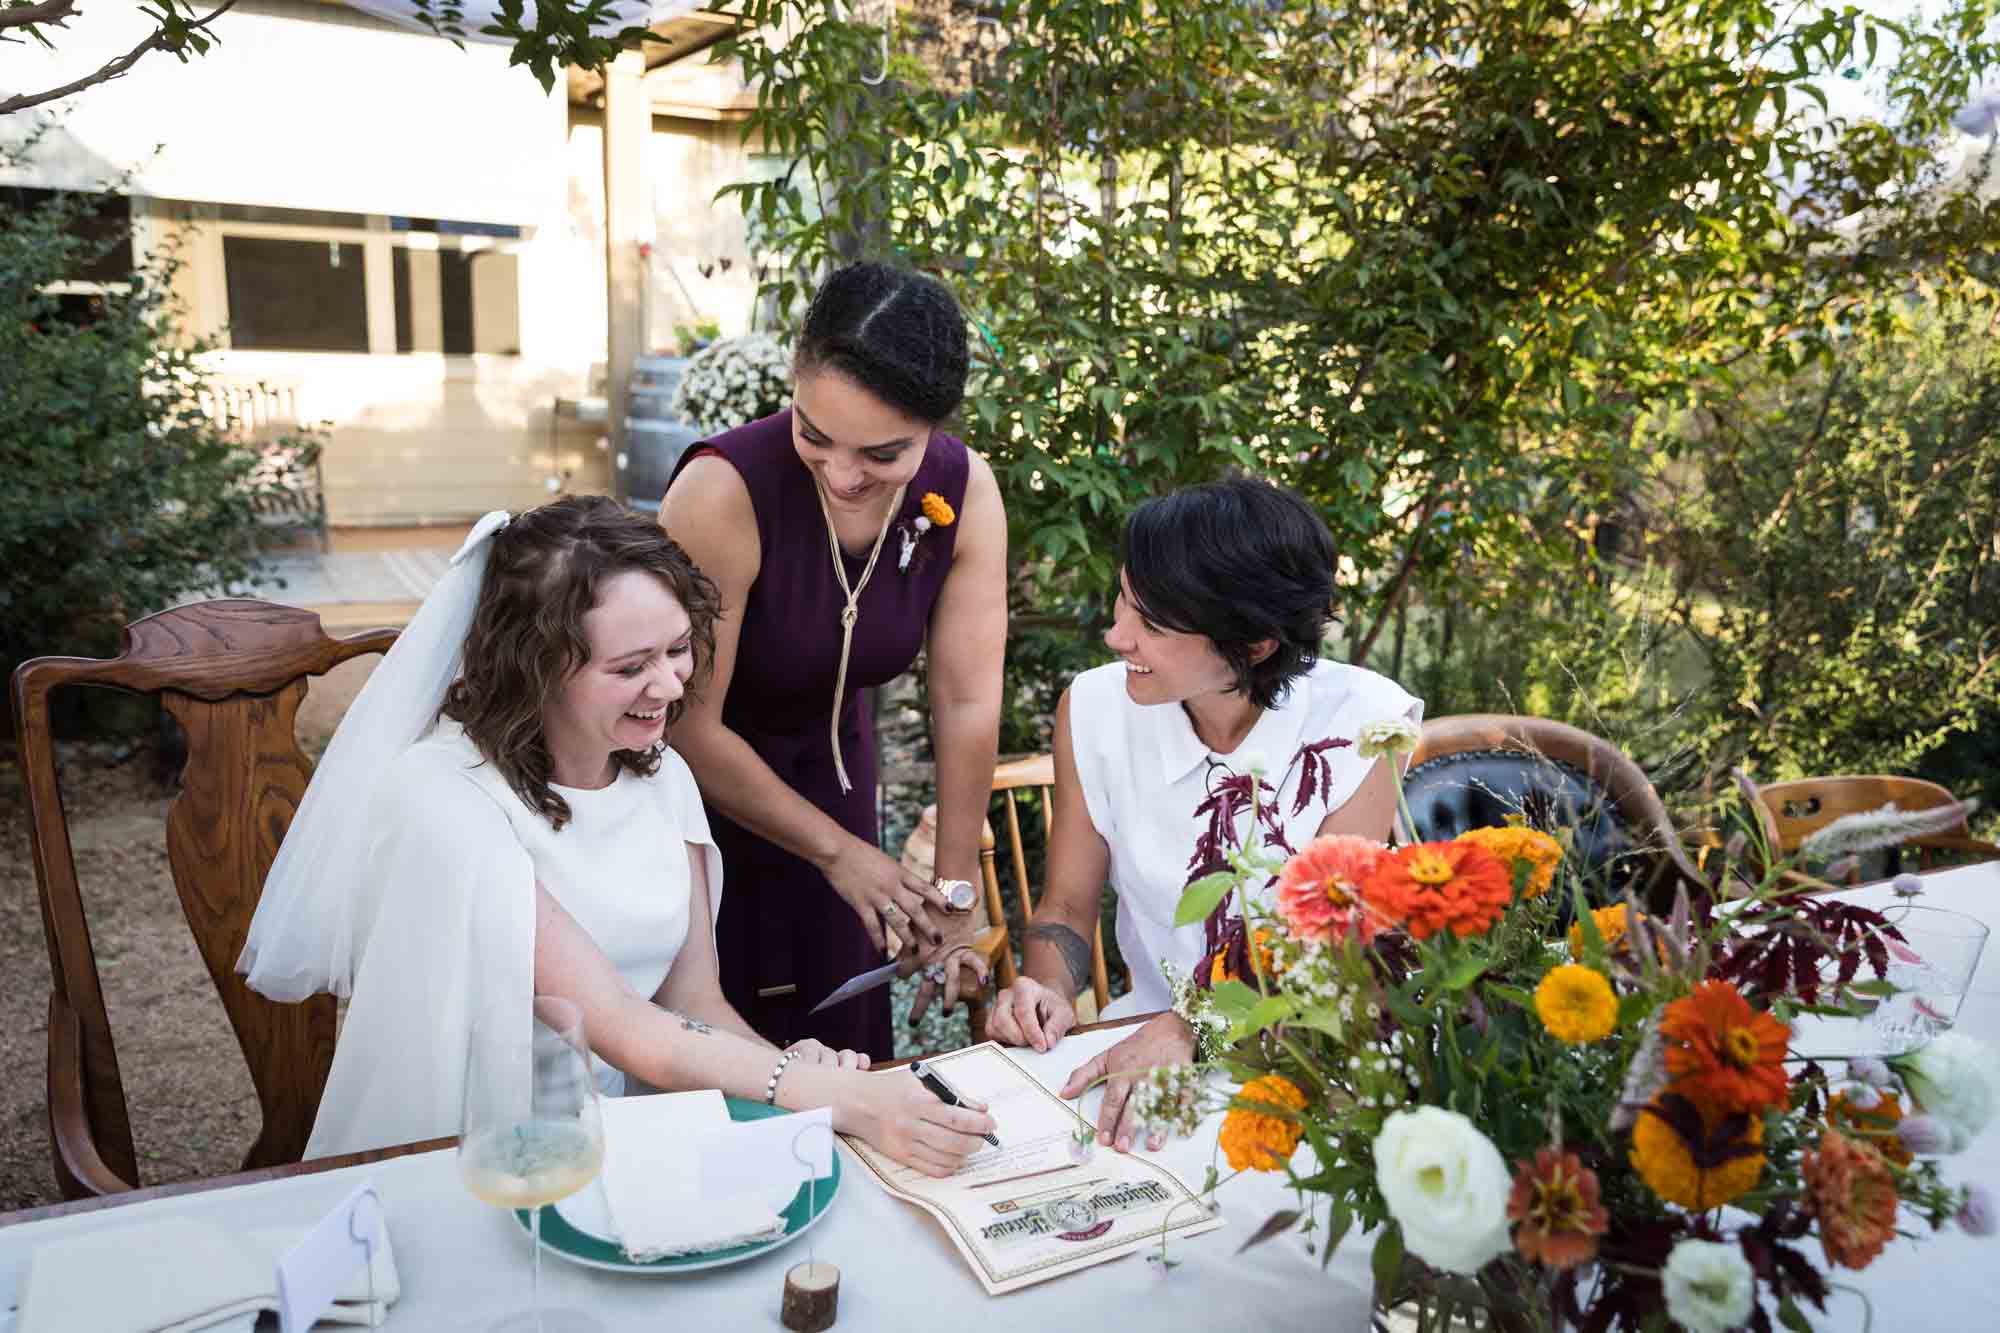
x: 1409, y: 566
x: 48, y: 11
x: 110, y: 69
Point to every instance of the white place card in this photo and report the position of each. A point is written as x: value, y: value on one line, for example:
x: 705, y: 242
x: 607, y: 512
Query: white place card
x: 311, y: 1273
x: 768, y: 1159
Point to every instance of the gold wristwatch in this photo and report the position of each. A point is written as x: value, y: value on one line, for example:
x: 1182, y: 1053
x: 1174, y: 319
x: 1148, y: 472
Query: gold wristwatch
x: 958, y: 894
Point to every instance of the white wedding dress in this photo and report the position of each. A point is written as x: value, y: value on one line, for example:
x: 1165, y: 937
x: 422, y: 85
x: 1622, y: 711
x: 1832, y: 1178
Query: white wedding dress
x: 445, y: 929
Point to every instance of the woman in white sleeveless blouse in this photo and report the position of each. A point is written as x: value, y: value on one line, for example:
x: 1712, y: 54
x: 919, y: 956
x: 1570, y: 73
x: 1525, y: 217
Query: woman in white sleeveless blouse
x: 540, y: 839
x: 1224, y: 596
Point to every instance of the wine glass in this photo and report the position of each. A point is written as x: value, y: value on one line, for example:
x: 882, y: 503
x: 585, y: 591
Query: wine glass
x: 531, y: 1131
x: 1932, y: 970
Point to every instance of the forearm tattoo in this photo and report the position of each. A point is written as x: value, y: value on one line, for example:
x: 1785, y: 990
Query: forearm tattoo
x: 690, y: 1024
x: 1075, y: 953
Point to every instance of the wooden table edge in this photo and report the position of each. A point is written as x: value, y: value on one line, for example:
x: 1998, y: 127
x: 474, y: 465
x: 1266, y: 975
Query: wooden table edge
x: 320, y: 1164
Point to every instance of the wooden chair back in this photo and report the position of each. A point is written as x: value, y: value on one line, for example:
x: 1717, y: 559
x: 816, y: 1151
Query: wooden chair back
x: 1011, y: 780
x: 232, y: 673
x: 1793, y: 811
x: 1631, y: 794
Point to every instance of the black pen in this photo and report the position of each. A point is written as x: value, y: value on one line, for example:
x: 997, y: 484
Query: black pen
x: 942, y: 1090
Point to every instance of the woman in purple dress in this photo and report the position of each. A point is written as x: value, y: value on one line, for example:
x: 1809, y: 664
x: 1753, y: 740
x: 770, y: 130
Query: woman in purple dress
x: 844, y: 535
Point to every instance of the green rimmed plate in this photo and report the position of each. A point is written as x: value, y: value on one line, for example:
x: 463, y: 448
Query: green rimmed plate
x: 590, y: 1245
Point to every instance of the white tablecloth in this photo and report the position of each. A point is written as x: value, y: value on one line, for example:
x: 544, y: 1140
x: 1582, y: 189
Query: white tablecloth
x: 1949, y: 1281
x: 460, y: 1258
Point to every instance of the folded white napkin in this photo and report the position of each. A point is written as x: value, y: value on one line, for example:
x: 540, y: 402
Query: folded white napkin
x: 176, y: 1275
x: 652, y: 1179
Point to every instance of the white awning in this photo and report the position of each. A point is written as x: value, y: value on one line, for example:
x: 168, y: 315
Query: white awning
x: 479, y: 13
x: 303, y: 107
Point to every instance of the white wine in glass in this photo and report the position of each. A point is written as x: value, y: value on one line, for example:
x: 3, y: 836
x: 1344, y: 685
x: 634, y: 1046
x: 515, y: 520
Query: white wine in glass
x: 531, y: 1131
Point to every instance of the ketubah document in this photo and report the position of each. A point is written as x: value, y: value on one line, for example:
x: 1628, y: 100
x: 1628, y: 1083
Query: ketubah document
x: 1027, y: 1211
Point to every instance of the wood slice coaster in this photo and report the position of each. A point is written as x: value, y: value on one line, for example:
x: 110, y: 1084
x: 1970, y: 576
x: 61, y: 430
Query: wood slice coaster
x: 812, y: 1297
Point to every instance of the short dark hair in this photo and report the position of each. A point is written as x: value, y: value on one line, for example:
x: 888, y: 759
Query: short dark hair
x: 1237, y: 561
x: 900, y: 335
x: 543, y: 574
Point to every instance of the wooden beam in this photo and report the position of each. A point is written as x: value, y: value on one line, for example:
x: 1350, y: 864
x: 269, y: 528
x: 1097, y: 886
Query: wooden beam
x: 628, y: 223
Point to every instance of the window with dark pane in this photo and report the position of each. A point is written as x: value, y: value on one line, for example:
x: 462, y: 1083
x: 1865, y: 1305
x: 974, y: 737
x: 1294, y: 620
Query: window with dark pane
x: 302, y: 296
x: 457, y: 301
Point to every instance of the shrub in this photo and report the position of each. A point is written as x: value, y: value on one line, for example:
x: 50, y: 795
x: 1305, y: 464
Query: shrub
x: 118, y: 493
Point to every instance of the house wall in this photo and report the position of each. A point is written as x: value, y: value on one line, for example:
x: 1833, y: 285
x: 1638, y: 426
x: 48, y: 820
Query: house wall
x: 417, y: 435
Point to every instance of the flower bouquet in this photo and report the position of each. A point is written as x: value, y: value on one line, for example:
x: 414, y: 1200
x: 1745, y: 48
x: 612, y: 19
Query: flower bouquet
x: 734, y: 381
x: 1554, y: 1115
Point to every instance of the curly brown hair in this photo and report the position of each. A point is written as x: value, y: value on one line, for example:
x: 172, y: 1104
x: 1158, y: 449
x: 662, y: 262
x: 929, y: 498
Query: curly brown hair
x: 527, y: 637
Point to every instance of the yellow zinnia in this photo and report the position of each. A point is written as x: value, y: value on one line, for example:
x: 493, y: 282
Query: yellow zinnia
x: 1576, y: 1004
x: 1704, y: 1173
x: 1519, y: 846
x: 1253, y: 1141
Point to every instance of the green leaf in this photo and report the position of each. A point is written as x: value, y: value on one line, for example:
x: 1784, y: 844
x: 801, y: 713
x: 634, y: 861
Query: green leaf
x: 1200, y: 898
x: 1789, y: 1314
x: 1271, y: 1009
x: 1339, y: 1222
x: 1234, y: 1000
x: 1466, y: 971
x: 1387, y: 1261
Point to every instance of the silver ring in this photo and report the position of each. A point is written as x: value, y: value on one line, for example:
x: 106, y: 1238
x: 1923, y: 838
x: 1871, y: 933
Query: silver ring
x: 889, y: 911
x: 935, y: 974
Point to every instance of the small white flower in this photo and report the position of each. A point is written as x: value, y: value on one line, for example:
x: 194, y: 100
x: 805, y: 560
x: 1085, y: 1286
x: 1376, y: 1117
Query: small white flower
x: 1924, y: 1135
x: 1976, y: 1214
x: 1169, y: 1100
x: 1952, y: 1079
x: 1390, y: 735
x: 1708, y: 1286
x: 1447, y: 1186
x: 1871, y: 1071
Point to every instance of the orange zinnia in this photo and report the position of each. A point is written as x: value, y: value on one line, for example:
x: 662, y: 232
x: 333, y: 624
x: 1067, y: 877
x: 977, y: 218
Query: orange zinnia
x: 1430, y: 887
x: 1873, y: 1125
x: 1318, y: 890
x: 1854, y: 1193
x: 1256, y: 1142
x: 1721, y: 1053
x: 1556, y: 1204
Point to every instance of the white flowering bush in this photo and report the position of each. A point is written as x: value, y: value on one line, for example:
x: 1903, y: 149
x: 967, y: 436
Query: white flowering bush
x: 734, y: 381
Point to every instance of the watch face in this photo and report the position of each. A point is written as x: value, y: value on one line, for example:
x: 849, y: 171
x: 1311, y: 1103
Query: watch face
x: 959, y: 895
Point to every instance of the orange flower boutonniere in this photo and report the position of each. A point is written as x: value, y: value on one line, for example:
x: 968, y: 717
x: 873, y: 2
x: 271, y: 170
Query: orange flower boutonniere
x: 937, y: 513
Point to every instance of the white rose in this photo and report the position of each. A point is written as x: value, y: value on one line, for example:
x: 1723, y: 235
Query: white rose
x: 1391, y: 735
x: 1708, y: 1286
x: 1446, y: 1184
x: 1952, y: 1079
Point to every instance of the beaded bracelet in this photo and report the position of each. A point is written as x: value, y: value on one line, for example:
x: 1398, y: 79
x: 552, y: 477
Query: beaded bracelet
x: 771, y: 1088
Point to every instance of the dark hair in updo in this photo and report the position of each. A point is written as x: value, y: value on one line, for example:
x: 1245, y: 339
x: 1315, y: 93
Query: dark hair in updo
x: 1238, y: 561
x: 897, y: 334
x: 545, y: 571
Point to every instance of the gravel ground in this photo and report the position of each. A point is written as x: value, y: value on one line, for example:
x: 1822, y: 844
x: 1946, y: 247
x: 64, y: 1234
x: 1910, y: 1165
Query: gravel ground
x: 194, y: 1111
x: 193, y: 1107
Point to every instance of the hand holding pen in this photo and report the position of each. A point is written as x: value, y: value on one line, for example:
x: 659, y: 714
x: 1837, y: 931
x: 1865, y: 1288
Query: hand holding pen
x: 943, y: 1091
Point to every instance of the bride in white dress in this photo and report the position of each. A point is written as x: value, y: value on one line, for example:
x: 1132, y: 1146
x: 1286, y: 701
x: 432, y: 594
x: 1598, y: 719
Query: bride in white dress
x: 498, y: 817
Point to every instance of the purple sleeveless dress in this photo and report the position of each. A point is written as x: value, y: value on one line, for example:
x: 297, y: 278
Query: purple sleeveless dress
x: 784, y: 938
